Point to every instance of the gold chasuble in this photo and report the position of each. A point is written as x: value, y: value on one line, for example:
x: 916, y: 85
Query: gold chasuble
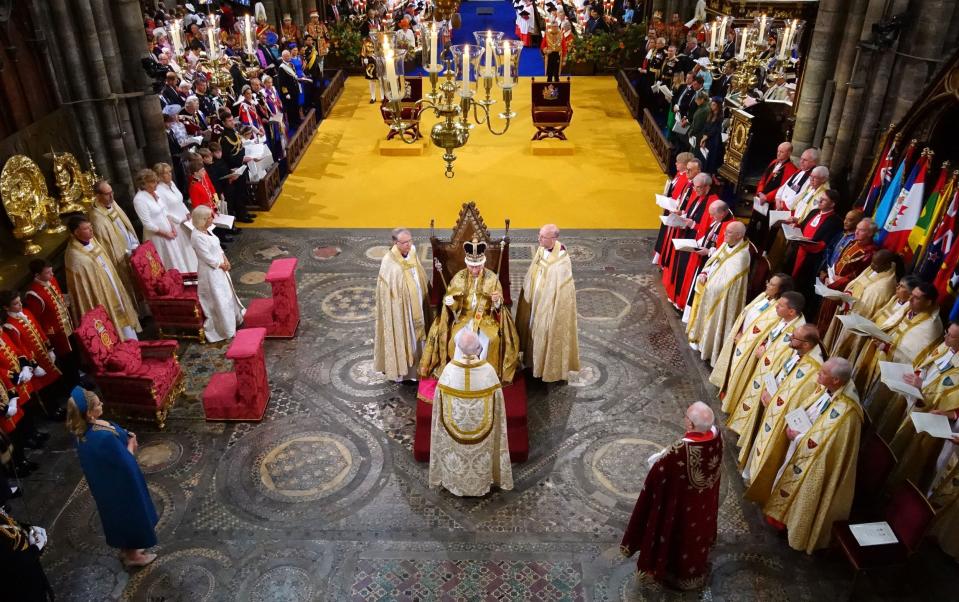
x: 760, y: 461
x: 546, y: 316
x: 737, y: 358
x: 402, y: 314
x: 871, y: 289
x: 92, y: 280
x: 917, y: 452
x: 472, y: 307
x: 719, y: 301
x: 945, y: 499
x: 851, y: 346
x: 815, y: 485
x: 912, y: 336
x: 469, y: 451
x: 113, y: 230
x: 745, y: 411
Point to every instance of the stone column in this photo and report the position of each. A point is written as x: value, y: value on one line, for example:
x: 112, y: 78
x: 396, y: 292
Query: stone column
x: 820, y: 65
x: 848, y: 51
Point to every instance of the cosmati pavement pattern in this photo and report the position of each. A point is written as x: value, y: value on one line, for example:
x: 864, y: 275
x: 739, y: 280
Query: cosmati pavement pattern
x: 322, y: 500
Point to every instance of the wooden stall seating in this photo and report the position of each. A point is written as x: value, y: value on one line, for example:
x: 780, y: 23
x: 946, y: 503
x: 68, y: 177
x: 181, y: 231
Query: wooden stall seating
x: 628, y: 92
x: 409, y: 110
x: 552, y: 111
x: 661, y: 147
x: 332, y: 93
x: 301, y: 140
x: 267, y: 189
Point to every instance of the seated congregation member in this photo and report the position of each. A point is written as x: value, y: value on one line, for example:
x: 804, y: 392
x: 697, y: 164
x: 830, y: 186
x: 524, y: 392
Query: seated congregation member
x: 112, y: 228
x: 878, y: 304
x: 92, y: 280
x: 720, y: 294
x: 737, y: 357
x: 918, y: 330
x: 794, y: 383
x: 674, y: 189
x: 469, y: 452
x: 851, y: 258
x: 107, y: 454
x: 770, y: 354
x: 710, y: 235
x: 815, y: 484
x: 546, y: 312
x: 161, y: 223
x: 221, y: 306
x: 937, y: 376
x: 674, y: 523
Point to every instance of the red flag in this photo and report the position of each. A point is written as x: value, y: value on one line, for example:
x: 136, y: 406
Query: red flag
x: 881, y: 177
x: 946, y: 233
x: 905, y: 210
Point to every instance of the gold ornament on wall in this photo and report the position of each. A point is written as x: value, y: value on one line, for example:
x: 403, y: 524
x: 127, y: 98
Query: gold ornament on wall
x: 76, y: 193
x: 25, y: 199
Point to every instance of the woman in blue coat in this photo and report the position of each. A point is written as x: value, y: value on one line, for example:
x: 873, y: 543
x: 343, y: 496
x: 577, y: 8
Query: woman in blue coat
x: 106, y: 454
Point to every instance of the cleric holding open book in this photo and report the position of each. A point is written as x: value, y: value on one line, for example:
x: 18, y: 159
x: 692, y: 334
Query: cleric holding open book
x: 107, y: 455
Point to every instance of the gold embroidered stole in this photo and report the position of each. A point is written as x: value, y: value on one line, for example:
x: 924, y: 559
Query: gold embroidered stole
x: 412, y: 292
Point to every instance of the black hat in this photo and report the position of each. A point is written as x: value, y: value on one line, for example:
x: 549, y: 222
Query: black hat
x: 550, y: 7
x: 522, y: 13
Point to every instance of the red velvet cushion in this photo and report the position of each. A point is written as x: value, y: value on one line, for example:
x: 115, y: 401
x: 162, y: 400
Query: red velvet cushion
x: 559, y: 116
x: 125, y: 358
x: 170, y: 284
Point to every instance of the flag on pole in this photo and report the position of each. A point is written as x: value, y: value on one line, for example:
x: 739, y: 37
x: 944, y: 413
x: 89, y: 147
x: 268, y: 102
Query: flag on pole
x: 921, y: 232
x: 882, y: 177
x: 891, y: 192
x: 939, y: 261
x: 905, y: 210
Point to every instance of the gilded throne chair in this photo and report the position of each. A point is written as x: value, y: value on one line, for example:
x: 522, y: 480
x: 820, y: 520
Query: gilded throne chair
x: 552, y: 111
x: 173, y: 303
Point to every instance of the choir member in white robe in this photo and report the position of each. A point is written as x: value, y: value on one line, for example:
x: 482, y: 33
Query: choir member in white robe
x: 720, y: 294
x: 469, y: 452
x: 160, y: 226
x: 221, y: 307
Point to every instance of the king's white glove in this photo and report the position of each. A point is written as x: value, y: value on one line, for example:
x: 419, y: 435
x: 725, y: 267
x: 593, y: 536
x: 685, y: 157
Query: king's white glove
x: 12, y: 407
x: 448, y: 300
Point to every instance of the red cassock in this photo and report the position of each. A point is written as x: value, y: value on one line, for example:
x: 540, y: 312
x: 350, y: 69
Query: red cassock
x: 27, y: 333
x: 675, y: 191
x: 673, y: 525
x: 809, y: 230
x: 45, y: 301
x: 202, y: 192
x: 772, y: 178
x: 694, y: 208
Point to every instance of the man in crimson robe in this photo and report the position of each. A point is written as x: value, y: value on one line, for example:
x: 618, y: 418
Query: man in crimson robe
x: 778, y: 171
x: 850, y: 261
x: 710, y: 235
x: 822, y: 225
x: 675, y: 189
x: 673, y: 525
x: 692, y: 211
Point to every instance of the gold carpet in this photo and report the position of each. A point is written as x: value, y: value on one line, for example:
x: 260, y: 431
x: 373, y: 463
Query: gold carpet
x: 343, y: 181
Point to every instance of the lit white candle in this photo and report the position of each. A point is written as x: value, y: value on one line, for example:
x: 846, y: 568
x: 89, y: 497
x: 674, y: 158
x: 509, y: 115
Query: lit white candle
x: 249, y: 34
x: 712, y: 37
x: 392, y: 86
x: 466, y: 67
x: 762, y: 28
x: 792, y: 37
x: 507, y: 63
x: 489, y: 53
x: 434, y: 65
x: 722, y: 31
x: 742, y: 45
x: 211, y: 38
x: 175, y: 34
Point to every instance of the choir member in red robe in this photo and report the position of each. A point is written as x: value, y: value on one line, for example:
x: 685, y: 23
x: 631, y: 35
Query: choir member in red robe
x: 24, y: 330
x: 778, y: 171
x: 675, y: 188
x: 822, y: 224
x: 45, y: 300
x: 673, y: 525
x: 693, y: 211
x: 711, y: 234
x: 853, y: 259
x: 17, y: 414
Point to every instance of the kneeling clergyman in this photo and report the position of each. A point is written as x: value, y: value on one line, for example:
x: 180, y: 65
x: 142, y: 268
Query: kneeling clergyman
x: 720, y: 294
x: 814, y: 487
x: 402, y: 310
x: 469, y: 451
x: 546, y: 314
x: 473, y: 302
x: 673, y: 525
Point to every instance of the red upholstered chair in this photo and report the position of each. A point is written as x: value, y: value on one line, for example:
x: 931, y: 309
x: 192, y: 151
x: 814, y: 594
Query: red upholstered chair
x: 279, y: 314
x: 243, y: 393
x: 409, y: 110
x: 552, y: 111
x: 908, y: 513
x: 174, y: 304
x: 140, y: 377
x: 876, y: 461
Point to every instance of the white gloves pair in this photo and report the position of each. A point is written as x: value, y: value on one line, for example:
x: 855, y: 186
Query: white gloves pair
x: 39, y: 372
x: 38, y: 536
x: 12, y: 407
x: 26, y: 374
x: 448, y: 300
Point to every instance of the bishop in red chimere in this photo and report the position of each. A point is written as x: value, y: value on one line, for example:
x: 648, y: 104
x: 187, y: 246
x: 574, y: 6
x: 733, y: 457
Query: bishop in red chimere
x: 673, y: 525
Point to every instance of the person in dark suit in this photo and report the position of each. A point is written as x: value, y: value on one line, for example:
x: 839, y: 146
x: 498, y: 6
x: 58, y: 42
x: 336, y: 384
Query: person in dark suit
x: 724, y: 82
x: 596, y: 22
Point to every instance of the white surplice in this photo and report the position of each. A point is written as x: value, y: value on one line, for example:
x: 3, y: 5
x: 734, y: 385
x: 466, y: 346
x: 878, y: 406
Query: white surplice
x: 156, y: 218
x: 221, y: 306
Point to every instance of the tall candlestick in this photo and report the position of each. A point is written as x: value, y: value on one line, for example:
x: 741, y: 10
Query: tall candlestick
x: 392, y: 86
x: 175, y: 35
x: 489, y: 52
x: 249, y: 34
x: 742, y: 45
x: 722, y: 31
x: 466, y: 67
x: 507, y: 63
x: 433, y: 47
x: 211, y: 37
x: 792, y: 37
x: 762, y: 28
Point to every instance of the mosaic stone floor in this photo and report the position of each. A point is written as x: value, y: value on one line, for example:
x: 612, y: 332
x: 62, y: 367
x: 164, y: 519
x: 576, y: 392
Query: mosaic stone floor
x: 323, y: 501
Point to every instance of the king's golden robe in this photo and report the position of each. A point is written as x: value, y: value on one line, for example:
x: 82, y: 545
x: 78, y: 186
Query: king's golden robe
x: 402, y: 314
x: 917, y: 452
x: 718, y: 301
x: 546, y: 316
x: 817, y: 482
x: 745, y: 411
x: 760, y: 462
x: 92, y: 280
x: 737, y: 359
x: 473, y: 308
x: 106, y: 225
x: 871, y: 289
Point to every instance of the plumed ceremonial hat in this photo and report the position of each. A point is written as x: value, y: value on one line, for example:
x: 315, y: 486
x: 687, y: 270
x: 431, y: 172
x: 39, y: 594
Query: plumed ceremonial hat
x: 475, y: 252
